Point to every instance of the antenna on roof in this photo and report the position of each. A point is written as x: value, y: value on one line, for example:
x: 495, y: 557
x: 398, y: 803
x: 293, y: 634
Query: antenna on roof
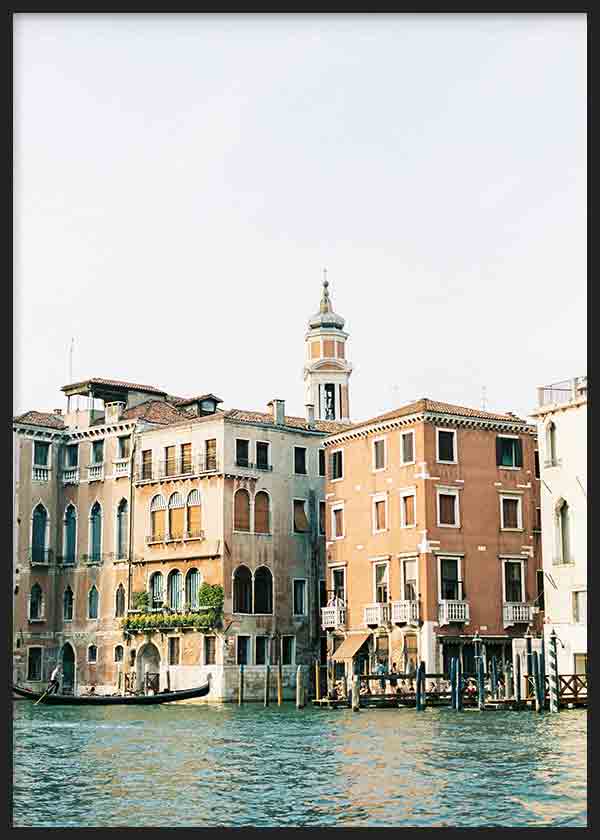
x: 484, y: 398
x: 71, y: 361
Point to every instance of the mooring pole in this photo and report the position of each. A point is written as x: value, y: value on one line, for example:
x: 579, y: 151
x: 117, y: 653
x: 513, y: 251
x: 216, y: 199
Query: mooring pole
x: 553, y: 673
x: 518, y: 677
x: 481, y: 685
x: 317, y: 680
x: 267, y: 684
x: 529, y: 660
x: 241, y: 686
x: 494, y: 677
x: 536, y: 681
x: 279, y: 683
x: 543, y: 671
x: 459, y: 698
x: 507, y: 681
x: 299, y: 688
x: 355, y: 692
x: 453, y: 682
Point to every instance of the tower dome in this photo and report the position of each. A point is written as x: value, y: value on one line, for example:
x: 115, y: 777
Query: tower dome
x: 326, y: 317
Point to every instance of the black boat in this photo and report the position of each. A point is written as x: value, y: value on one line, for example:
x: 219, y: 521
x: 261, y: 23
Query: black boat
x: 113, y: 699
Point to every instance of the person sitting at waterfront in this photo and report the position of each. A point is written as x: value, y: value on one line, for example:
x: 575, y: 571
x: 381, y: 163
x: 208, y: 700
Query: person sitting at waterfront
x: 393, y: 677
x: 381, y: 669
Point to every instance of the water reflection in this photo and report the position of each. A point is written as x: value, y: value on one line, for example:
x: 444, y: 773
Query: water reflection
x: 192, y: 765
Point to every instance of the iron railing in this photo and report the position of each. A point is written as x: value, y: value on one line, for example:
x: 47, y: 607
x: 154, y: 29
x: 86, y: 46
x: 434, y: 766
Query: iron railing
x: 39, y: 556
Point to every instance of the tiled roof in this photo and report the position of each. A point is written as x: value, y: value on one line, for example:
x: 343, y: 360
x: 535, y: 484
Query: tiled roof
x: 115, y: 383
x: 329, y: 426
x: 154, y: 411
x: 188, y: 400
x: 41, y: 418
x: 436, y: 407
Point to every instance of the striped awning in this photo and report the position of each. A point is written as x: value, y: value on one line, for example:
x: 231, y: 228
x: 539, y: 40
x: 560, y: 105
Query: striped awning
x: 350, y: 646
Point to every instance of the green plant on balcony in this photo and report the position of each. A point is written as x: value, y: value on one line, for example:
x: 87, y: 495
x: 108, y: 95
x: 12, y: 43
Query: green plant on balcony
x: 141, y: 601
x: 210, y: 602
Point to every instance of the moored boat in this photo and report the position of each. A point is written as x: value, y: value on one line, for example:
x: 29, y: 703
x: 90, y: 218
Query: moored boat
x: 113, y: 699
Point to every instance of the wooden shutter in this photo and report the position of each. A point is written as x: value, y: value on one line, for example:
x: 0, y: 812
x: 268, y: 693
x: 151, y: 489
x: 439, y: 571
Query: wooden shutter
x: 338, y: 516
x: 498, y: 452
x: 380, y: 515
x: 322, y: 510
x: 176, y: 523
x: 510, y: 513
x: 300, y: 520
x: 211, y: 454
x: 409, y: 510
x: 186, y: 457
x: 170, y: 460
x: 447, y: 514
x: 407, y: 447
x: 194, y: 520
x: 241, y: 511
x: 147, y: 463
x: 261, y: 513
x: 158, y: 524
x: 518, y: 453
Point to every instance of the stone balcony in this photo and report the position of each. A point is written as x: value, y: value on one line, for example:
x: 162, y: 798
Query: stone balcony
x: 453, y: 612
x: 516, y: 613
x: 377, y: 615
x: 404, y: 612
x: 333, y: 618
x: 70, y: 475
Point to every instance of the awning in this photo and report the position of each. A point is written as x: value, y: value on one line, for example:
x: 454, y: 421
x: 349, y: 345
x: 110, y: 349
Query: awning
x: 350, y: 646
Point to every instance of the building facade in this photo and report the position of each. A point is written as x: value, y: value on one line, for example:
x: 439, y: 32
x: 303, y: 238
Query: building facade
x: 561, y: 417
x: 432, y: 536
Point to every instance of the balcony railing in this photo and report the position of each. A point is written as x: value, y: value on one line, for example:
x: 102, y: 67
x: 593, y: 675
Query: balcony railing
x: 563, y: 392
x: 66, y: 559
x: 121, y: 467
x: 251, y: 465
x: 96, y: 472
x: 70, y: 475
x: 377, y: 614
x: 40, y: 556
x: 176, y: 468
x: 333, y: 618
x: 404, y: 612
x: 453, y: 611
x: 40, y: 473
x: 95, y: 559
x: 517, y: 613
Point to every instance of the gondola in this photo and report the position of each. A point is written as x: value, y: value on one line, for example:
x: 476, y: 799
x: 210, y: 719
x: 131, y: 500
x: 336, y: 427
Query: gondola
x: 113, y: 699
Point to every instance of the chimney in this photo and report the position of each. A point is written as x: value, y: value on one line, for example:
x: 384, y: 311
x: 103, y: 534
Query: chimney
x: 310, y: 415
x: 278, y: 411
x: 113, y: 411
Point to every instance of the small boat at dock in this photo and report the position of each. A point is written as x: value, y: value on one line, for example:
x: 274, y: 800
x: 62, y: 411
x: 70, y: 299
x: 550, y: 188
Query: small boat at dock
x: 112, y: 699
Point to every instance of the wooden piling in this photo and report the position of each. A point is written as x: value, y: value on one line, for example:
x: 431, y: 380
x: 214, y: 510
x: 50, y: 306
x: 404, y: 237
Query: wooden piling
x: 279, y: 683
x: 317, y: 680
x: 453, y: 682
x: 241, y: 686
x: 355, y: 693
x: 536, y: 681
x: 299, y: 688
x: 480, y: 685
x: 518, y: 678
x: 553, y: 673
x: 267, y: 685
x: 458, y: 688
x: 168, y: 680
x: 507, y: 682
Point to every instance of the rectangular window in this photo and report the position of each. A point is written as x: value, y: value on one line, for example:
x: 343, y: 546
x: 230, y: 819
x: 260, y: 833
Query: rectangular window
x: 338, y: 578
x: 410, y: 580
x: 92, y: 654
x: 287, y: 650
x: 337, y: 464
x: 408, y: 447
x: 509, y: 452
x: 447, y: 508
x: 323, y: 650
x: 299, y: 597
x: 381, y: 583
x: 123, y: 447
x: 322, y: 514
x: 340, y: 349
x: 300, y: 521
x: 382, y: 648
x: 98, y: 452
x: 174, y: 651
x: 262, y: 650
x: 511, y: 513
x: 300, y: 460
x: 210, y: 454
x: 379, y: 515
x: 72, y: 456
x: 536, y: 463
x: 321, y: 462
x: 450, y: 587
x: 513, y: 582
x: 538, y: 519
x: 170, y: 460
x: 262, y: 455
x: 322, y: 593
x: 146, y: 463
x: 210, y: 650
x: 337, y: 530
x: 243, y: 650
x: 34, y: 663
x: 540, y: 589
x: 379, y: 454
x: 186, y: 458
x: 407, y: 510
x: 446, y: 440
x: 580, y: 662
x: 328, y: 348
x: 242, y: 449
x: 40, y: 459
x: 580, y: 607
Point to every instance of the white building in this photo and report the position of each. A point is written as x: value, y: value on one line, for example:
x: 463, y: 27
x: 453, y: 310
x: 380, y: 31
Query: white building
x: 562, y: 433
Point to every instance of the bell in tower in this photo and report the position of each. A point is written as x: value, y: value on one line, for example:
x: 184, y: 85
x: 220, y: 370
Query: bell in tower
x: 326, y: 369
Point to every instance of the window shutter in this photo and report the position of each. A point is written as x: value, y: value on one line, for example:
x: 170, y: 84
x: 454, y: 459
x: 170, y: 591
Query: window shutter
x: 194, y: 520
x: 498, y: 451
x: 176, y: 523
x: 186, y: 457
x: 447, y: 516
x: 518, y: 453
x: 339, y: 522
x: 241, y: 512
x: 261, y: 513
x: 300, y: 520
x: 409, y: 510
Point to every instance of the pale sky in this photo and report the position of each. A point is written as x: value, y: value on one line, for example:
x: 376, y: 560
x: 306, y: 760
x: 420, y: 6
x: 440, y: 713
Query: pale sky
x: 180, y: 181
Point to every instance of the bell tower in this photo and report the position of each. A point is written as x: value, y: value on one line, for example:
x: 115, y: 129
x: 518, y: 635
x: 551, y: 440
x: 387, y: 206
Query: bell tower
x: 326, y: 369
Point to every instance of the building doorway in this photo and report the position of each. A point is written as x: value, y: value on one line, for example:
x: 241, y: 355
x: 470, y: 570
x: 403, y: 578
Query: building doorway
x: 68, y: 669
x: 147, y: 662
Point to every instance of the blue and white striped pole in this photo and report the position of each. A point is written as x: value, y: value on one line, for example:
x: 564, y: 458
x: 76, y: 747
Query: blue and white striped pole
x: 481, y: 685
x: 553, y: 673
x: 537, y: 693
x: 453, y: 682
x: 459, y: 699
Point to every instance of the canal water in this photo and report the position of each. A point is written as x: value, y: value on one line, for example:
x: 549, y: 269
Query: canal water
x: 194, y: 765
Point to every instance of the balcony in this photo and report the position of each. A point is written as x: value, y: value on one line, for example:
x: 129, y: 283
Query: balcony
x: 96, y: 472
x: 40, y: 473
x: 175, y: 468
x: 333, y: 618
x: 250, y: 465
x: 517, y: 613
x: 404, y: 612
x: 377, y: 615
x: 70, y: 475
x: 39, y: 556
x: 453, y: 611
x: 95, y: 559
x: 563, y: 392
x: 65, y: 560
x: 121, y: 467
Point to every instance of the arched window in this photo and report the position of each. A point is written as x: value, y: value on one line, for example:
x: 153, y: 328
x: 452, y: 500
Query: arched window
x: 157, y: 518
x: 194, y: 515
x: 96, y: 533
x: 36, y: 602
x: 563, y: 535
x: 550, y: 444
x: 120, y: 601
x: 92, y: 654
x: 38, y: 534
x: 263, y: 591
x: 174, y: 590
x: 122, y: 527
x: 68, y: 604
x: 261, y: 513
x: 119, y: 653
x: 70, y: 538
x: 176, y: 513
x: 93, y: 603
x: 192, y: 585
x: 241, y: 511
x: 156, y: 590
x: 242, y: 590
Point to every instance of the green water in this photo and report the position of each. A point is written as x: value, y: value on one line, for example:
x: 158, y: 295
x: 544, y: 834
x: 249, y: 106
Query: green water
x: 192, y: 765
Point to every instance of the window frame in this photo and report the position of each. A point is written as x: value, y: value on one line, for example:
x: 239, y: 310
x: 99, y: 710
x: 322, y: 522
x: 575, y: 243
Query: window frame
x: 204, y: 651
x: 41, y: 649
x: 379, y: 497
x: 267, y: 638
x: 404, y: 463
x: 64, y: 618
x: 93, y: 444
x: 403, y: 562
x: 304, y: 503
x: 88, y: 616
x: 248, y: 637
x: 341, y: 567
x: 575, y: 608
x: 453, y: 432
x: 403, y: 494
x: 511, y: 497
x: 374, y: 442
x: 235, y: 452
x: 171, y: 639
x: 521, y: 563
x: 304, y: 613
x: 48, y: 463
x: 293, y: 651
x: 87, y: 654
x: 295, y: 447
x: 333, y: 452
x: 513, y: 466
x: 448, y: 491
x: 322, y: 462
x: 266, y: 443
x: 459, y: 575
x: 338, y: 506
x: 375, y: 564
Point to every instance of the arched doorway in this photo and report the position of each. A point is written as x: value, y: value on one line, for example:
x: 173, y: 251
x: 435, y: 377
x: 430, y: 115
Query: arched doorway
x: 147, y: 661
x: 68, y: 669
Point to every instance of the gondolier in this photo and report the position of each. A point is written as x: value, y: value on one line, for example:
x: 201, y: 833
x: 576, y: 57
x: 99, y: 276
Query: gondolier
x: 54, y: 683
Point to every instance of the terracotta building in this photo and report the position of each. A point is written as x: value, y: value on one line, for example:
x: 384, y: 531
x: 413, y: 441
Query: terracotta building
x: 432, y: 536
